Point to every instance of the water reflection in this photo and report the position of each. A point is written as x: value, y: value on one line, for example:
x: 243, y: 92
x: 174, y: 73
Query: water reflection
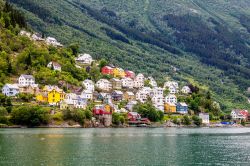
x: 131, y: 146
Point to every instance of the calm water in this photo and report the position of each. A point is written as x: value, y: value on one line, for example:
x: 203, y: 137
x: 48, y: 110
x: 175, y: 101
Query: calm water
x: 133, y: 146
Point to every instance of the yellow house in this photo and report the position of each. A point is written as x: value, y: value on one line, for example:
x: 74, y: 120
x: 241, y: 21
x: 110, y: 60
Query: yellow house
x: 42, y: 97
x: 119, y: 72
x: 170, y: 107
x: 51, y: 94
x: 107, y: 108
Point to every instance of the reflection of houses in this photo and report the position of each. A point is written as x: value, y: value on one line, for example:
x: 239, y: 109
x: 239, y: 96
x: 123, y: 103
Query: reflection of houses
x: 239, y: 114
x: 204, y: 117
x: 170, y: 107
x: 182, y: 108
x: 10, y: 90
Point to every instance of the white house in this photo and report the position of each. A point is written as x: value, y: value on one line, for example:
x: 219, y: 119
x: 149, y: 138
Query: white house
x: 139, y: 81
x: 10, y: 90
x: 171, y: 99
x: 147, y: 90
x: 186, y: 90
x: 87, y: 94
x: 127, y: 83
x: 158, y: 91
x: 25, y: 80
x: 85, y: 59
x: 171, y: 83
x: 52, y: 41
x: 239, y: 114
x: 25, y: 33
x: 152, y: 82
x: 141, y: 96
x: 71, y: 98
x: 130, y: 105
x: 158, y: 102
x: 37, y: 37
x: 104, y: 85
x: 55, y: 66
x: 172, y: 89
x: 89, y: 85
x: 204, y: 117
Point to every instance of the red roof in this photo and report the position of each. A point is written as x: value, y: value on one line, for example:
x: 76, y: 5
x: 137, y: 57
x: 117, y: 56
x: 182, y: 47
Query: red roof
x: 101, y: 112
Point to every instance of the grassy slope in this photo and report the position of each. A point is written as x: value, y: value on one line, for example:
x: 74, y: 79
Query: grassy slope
x: 80, y: 27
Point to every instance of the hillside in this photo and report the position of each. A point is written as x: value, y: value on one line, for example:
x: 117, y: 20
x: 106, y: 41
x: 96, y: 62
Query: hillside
x: 207, y: 42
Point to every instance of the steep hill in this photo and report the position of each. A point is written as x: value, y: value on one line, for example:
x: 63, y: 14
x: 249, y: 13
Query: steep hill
x: 205, y: 41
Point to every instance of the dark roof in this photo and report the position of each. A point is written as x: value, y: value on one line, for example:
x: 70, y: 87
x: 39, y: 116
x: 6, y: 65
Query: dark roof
x: 27, y: 76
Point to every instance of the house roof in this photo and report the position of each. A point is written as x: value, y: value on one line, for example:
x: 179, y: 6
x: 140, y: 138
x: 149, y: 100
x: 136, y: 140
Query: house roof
x: 108, y: 67
x: 56, y: 64
x: 171, y: 96
x: 12, y: 86
x: 116, y: 79
x: 88, y: 81
x: 134, y: 113
x: 118, y: 92
x: 130, y: 93
x: 241, y: 112
x: 27, y: 76
x: 183, y: 104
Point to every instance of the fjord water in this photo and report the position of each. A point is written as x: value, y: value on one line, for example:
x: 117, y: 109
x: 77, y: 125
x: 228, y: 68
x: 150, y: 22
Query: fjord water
x: 131, y: 146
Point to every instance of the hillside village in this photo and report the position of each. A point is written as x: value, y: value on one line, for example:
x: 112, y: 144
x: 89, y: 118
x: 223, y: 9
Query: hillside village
x: 118, y: 91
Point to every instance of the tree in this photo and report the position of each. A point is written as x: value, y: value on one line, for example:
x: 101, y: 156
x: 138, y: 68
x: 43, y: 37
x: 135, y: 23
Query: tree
x: 197, y: 120
x: 147, y: 110
x: 74, y: 48
x: 29, y: 116
x: 3, y: 115
x: 103, y: 62
x: 186, y: 120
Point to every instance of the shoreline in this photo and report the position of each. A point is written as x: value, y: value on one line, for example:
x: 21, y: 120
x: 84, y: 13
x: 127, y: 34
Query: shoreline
x: 118, y: 127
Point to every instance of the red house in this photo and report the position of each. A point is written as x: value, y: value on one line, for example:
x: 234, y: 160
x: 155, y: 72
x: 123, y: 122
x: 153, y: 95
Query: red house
x: 134, y: 116
x: 106, y: 70
x: 130, y: 74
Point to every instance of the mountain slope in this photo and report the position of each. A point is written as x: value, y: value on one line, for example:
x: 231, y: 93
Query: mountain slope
x: 207, y: 41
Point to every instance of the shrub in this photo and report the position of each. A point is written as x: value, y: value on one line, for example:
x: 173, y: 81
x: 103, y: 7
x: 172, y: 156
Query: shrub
x: 29, y: 116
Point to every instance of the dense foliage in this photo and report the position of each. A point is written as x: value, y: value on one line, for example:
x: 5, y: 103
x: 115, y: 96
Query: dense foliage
x: 147, y: 110
x: 29, y: 116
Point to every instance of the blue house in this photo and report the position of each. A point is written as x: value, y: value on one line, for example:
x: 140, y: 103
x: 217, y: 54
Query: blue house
x: 10, y: 90
x: 182, y: 108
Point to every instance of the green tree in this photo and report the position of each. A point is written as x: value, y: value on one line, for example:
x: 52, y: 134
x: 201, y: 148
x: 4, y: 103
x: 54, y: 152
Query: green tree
x: 197, y: 121
x: 186, y: 120
x: 30, y: 116
x: 103, y: 62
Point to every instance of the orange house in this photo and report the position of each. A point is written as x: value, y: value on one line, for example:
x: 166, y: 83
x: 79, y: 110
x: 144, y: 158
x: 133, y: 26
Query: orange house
x: 170, y: 107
